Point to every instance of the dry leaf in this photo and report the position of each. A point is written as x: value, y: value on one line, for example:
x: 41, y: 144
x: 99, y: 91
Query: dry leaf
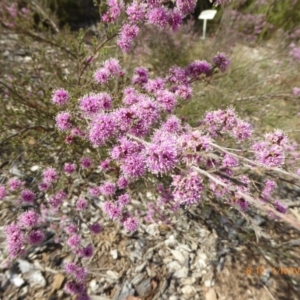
x: 58, y: 281
x: 132, y: 298
x: 211, y: 295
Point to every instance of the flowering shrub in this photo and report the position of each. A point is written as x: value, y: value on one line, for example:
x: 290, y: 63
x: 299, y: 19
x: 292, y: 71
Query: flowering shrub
x: 133, y: 133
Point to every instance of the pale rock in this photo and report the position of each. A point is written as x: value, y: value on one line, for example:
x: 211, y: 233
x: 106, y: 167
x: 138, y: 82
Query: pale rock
x: 16, y: 280
x: 144, y: 288
x: 188, y: 291
x: 173, y: 266
x: 137, y: 279
x: 171, y: 242
x: 152, y: 229
x: 25, y: 266
x: 181, y: 273
x: 114, y: 253
x: 34, y: 168
x: 178, y: 256
x: 94, y: 286
x: 140, y: 268
x: 188, y: 281
x: 209, y: 283
x: 211, y: 295
x: 35, y: 278
x: 114, y: 276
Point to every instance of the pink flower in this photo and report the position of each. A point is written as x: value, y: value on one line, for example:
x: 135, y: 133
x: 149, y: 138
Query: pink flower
x: 29, y: 219
x: 131, y: 224
x: 60, y: 97
x: 50, y: 175
x: 27, y: 196
x: 69, y: 168
x: 86, y: 162
x: 74, y: 241
x: 35, y: 237
x: 95, y: 228
x: 296, y: 91
x: 63, y: 121
x: 87, y: 251
x: 15, y: 184
x: 2, y: 192
x: 81, y: 204
x: 221, y: 61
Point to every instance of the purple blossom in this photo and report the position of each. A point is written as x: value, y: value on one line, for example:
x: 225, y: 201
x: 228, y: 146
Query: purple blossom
x: 70, y: 268
x: 187, y: 188
x: 177, y: 76
x: 108, y: 188
x: 44, y: 186
x: 60, y: 97
x: 172, y: 124
x: 122, y: 182
x: 69, y: 168
x: 86, y: 162
x: 2, y: 192
x: 14, y: 240
x: 95, y: 191
x: 123, y: 200
x: 102, y: 128
x: 74, y: 241
x: 158, y: 16
x: 133, y: 166
x: 277, y: 137
x: 56, y: 200
x: 243, y: 204
x: 186, y: 6
x: 269, y: 155
x: 198, y: 67
x: 296, y: 91
x: 113, y: 67
x: 77, y: 132
x: 104, y: 165
x: 15, y: 184
x: 280, y: 207
x: 136, y: 12
x: 221, y: 61
x: 130, y: 96
x: 127, y: 35
x: 28, y: 196
x: 63, y: 121
x: 35, y: 237
x: 183, y: 91
x: 74, y: 288
x: 28, y: 219
x: 161, y: 158
x: 87, y: 251
x: 154, y: 85
x: 229, y: 161
x: 50, y: 175
x: 268, y: 189
x: 95, y: 228
x: 102, y: 76
x: 81, y: 204
x: 140, y: 76
x: 175, y: 19
x: 114, y: 11
x: 71, y: 229
x: 167, y: 100
x: 242, y: 130
x: 112, y: 210
x: 131, y: 224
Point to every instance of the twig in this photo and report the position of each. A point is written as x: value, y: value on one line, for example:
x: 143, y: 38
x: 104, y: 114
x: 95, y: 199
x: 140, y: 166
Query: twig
x: 38, y: 9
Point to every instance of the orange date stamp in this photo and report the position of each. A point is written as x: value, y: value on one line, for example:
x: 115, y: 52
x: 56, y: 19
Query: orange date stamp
x: 274, y: 271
